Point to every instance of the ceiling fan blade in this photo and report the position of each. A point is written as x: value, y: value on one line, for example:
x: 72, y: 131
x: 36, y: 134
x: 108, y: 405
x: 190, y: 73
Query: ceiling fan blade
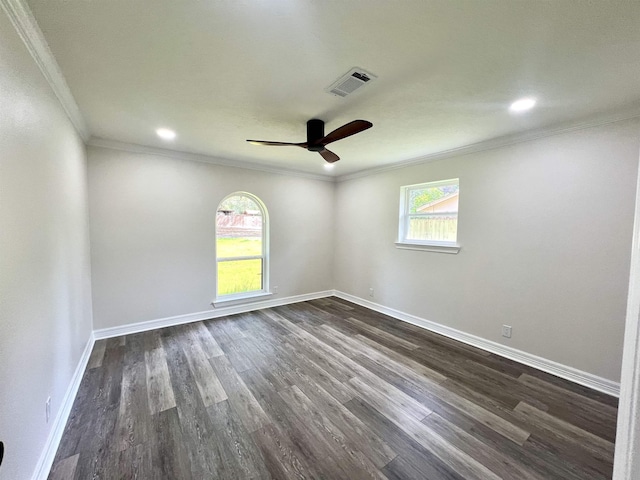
x: 329, y: 156
x: 345, y: 131
x: 276, y: 144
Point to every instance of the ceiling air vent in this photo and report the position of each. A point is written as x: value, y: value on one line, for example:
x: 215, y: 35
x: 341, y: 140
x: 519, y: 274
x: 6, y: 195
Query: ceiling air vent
x: 350, y: 82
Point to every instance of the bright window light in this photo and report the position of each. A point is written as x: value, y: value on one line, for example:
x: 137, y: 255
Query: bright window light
x: 166, y: 134
x: 429, y: 213
x: 523, y: 104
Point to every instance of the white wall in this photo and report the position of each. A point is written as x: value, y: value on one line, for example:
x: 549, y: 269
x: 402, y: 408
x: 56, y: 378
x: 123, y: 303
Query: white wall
x: 545, y: 228
x: 152, y: 233
x: 45, y: 298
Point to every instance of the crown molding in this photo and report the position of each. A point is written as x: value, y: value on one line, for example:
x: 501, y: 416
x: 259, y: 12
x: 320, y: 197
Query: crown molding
x: 194, y: 157
x: 631, y: 111
x: 27, y: 28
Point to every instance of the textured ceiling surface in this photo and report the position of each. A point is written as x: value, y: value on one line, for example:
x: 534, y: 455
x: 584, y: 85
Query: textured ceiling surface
x: 222, y: 71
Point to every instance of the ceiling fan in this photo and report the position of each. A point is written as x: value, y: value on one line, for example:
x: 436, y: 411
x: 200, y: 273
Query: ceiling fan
x: 317, y: 140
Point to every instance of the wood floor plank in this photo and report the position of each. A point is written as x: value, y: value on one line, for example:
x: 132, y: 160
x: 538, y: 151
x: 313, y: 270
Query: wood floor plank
x: 159, y: 389
x: 562, y: 463
x: 371, y: 445
x: 98, y: 439
x: 532, y: 454
x: 274, y: 445
x: 195, y: 424
x: 352, y: 459
x: 209, y: 385
x: 171, y: 458
x: 97, y: 354
x: 241, y: 399
x: 324, y: 312
x: 391, y: 403
x: 240, y: 456
x: 566, y: 432
x: 436, y: 393
x: 414, y: 454
x: 266, y: 322
x: 112, y: 366
x: 594, y: 416
x: 65, y: 468
x: 381, y: 354
x: 410, y: 424
x: 382, y: 336
x: 267, y: 359
x: 208, y: 343
x: 281, y: 457
x: 346, y: 345
x: 493, y: 459
x: 322, y: 355
x: 301, y: 370
x: 238, y: 354
x: 298, y: 315
x: 133, y: 462
x: 301, y: 435
x: 401, y: 469
x: 459, y: 461
x: 497, y: 386
x: 224, y: 329
x: 576, y: 388
x: 133, y: 412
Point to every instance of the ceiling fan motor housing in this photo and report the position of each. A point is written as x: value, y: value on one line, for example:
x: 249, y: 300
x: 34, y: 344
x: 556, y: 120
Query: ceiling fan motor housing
x: 315, y: 133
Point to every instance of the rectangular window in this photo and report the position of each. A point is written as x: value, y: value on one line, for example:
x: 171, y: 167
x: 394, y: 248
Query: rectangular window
x: 429, y: 216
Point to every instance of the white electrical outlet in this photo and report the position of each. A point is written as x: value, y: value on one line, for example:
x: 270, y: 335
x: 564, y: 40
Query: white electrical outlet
x: 275, y: 289
x: 47, y: 409
x: 371, y: 292
x: 506, y: 331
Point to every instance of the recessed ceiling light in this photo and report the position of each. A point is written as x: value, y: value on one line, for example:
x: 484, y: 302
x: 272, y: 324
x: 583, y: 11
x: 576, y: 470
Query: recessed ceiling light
x: 328, y: 166
x: 523, y: 104
x: 166, y: 134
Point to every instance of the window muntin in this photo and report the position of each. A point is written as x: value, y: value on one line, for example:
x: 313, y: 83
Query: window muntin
x: 429, y: 213
x: 241, y: 247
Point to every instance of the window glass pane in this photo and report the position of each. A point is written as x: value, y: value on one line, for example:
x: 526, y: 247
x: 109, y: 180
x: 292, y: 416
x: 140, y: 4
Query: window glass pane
x: 239, y: 228
x: 443, y: 198
x: 441, y: 228
x: 239, y: 246
x: 239, y: 276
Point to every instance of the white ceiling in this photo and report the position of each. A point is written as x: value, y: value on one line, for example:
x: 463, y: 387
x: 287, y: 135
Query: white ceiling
x: 221, y: 71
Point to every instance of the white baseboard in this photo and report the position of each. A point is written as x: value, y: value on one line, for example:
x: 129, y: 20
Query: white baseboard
x: 569, y: 373
x: 55, y: 435
x: 206, y: 315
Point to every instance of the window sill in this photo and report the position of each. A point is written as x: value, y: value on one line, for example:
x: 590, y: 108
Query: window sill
x: 239, y: 299
x: 430, y: 247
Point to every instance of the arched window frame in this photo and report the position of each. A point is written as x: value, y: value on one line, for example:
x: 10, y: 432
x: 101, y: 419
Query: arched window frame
x: 254, y: 294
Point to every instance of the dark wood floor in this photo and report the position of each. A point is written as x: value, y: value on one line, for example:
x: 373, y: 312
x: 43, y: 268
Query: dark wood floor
x: 325, y: 389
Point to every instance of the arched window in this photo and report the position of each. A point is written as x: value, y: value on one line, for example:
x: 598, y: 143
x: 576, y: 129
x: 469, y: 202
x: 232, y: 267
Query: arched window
x: 242, y: 247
